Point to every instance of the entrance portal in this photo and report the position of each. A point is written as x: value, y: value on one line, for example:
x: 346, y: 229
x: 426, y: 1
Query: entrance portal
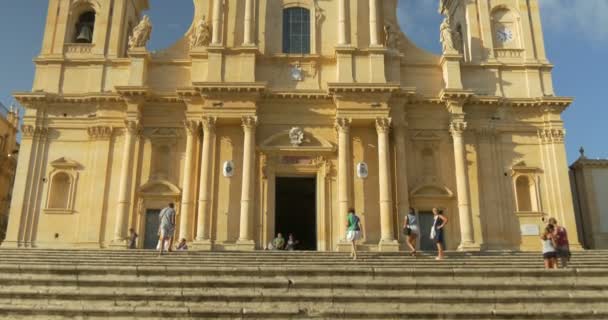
x: 296, y: 210
x: 151, y: 231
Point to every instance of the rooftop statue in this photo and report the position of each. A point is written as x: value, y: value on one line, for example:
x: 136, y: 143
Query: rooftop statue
x: 201, y: 35
x: 446, y: 37
x: 141, y: 33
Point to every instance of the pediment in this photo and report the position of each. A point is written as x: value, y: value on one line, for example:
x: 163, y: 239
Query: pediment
x: 282, y: 141
x: 65, y: 164
x: 432, y: 191
x: 159, y: 187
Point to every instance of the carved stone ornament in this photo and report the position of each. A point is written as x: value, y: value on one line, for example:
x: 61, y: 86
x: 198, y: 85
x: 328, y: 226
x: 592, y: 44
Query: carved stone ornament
x: 201, y: 35
x: 362, y: 170
x: 141, y: 33
x: 296, y: 136
x: 99, y: 132
x: 228, y: 169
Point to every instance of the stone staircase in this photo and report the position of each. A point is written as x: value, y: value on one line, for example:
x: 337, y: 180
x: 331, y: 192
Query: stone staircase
x: 103, y: 284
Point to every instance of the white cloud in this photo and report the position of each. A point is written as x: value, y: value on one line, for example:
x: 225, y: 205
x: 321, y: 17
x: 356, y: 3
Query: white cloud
x: 587, y: 17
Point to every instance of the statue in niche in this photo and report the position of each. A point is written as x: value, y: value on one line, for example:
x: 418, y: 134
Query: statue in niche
x: 296, y: 136
x: 391, y: 36
x: 446, y: 36
x: 201, y: 35
x: 141, y: 33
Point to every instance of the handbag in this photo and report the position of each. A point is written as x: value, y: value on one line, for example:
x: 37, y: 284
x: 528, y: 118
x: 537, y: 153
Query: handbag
x: 433, y: 233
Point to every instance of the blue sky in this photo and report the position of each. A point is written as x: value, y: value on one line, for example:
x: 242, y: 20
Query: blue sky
x: 576, y: 37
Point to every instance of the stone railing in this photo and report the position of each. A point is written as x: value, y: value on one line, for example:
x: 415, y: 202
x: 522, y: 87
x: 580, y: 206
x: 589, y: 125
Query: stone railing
x: 509, y: 53
x: 78, y: 49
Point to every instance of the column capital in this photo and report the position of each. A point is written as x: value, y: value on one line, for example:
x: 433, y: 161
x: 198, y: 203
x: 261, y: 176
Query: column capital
x: 342, y: 125
x: 552, y: 135
x: 100, y: 132
x: 457, y: 127
x: 383, y: 125
x: 249, y: 122
x: 208, y: 124
x: 132, y: 126
x: 191, y: 127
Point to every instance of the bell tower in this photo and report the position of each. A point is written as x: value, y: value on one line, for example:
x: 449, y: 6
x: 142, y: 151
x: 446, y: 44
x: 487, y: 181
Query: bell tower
x: 500, y: 35
x: 84, y: 31
x: 497, y: 31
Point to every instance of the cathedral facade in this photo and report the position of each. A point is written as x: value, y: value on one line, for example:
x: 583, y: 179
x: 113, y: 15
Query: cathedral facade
x: 279, y: 115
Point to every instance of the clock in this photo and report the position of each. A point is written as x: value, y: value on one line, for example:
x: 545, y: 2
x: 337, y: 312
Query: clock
x: 504, y: 35
x: 297, y: 74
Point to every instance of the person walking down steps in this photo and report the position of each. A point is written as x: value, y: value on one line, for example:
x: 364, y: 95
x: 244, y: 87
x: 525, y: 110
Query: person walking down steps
x: 166, y: 227
x: 411, y: 230
x: 353, y: 231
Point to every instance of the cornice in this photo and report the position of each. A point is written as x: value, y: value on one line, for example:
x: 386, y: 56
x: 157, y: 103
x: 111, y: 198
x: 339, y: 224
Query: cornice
x: 584, y: 162
x: 232, y: 87
x: 304, y: 95
x: 363, y: 87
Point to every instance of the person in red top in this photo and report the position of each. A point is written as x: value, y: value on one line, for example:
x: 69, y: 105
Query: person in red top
x: 562, y: 244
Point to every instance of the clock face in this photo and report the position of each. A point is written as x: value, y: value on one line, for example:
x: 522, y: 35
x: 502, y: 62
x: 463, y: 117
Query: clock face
x: 504, y: 35
x: 296, y: 73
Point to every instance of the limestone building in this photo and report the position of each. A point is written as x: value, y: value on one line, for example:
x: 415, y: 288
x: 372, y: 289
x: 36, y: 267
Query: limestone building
x: 278, y: 115
x: 589, y: 179
x: 9, y: 121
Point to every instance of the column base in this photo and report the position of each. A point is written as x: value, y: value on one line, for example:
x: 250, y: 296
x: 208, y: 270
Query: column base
x: 12, y: 244
x: 469, y: 247
x: 118, y: 245
x: 202, y: 245
x: 388, y: 246
x: 245, y: 245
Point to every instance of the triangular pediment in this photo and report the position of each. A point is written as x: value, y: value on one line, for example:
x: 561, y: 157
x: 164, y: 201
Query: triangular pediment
x: 310, y: 141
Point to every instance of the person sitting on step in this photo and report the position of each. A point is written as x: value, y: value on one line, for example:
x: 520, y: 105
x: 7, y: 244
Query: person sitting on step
x: 182, y: 245
x: 279, y: 242
x: 291, y: 242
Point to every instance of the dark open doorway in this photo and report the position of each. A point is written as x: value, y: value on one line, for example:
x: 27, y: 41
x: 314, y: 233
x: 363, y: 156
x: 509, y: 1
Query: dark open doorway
x: 296, y: 210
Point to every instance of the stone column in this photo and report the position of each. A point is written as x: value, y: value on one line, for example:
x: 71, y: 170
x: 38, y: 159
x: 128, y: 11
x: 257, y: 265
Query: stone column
x: 248, y: 23
x: 124, y: 187
x: 400, y: 134
x: 373, y: 23
x: 216, y: 22
x: 247, y: 187
x: 342, y: 22
x: 204, y: 196
x: 186, y: 210
x: 344, y: 169
x: 467, y: 242
x: 387, y: 237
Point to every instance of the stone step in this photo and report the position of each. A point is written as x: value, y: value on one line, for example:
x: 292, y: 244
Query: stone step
x: 42, y: 282
x: 285, y: 312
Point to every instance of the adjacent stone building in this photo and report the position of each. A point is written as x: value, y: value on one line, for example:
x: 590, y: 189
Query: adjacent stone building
x: 9, y: 121
x: 589, y: 178
x: 277, y: 116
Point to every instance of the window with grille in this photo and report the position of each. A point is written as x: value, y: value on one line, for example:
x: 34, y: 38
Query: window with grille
x: 296, y: 31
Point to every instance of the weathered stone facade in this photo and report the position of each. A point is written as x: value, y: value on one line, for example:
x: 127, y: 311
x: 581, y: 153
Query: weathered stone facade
x: 9, y: 121
x: 113, y: 132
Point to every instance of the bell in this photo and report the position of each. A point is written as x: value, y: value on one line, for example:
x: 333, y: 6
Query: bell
x: 85, y: 35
